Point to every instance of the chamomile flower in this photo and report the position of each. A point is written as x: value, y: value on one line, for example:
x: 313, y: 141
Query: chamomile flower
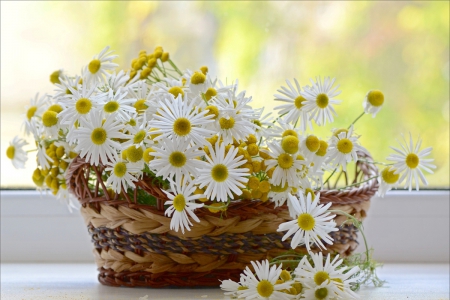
x: 51, y: 123
x: 139, y: 91
x: 79, y: 105
x: 325, y: 291
x: 264, y: 285
x: 410, y: 161
x: 373, y: 102
x: 120, y: 80
x: 221, y: 173
x: 43, y: 159
x: 343, y: 147
x: 171, y: 86
x: 231, y: 288
x: 312, y: 224
x: 293, y: 110
x: 99, y: 65
x: 279, y: 194
x: 182, y: 206
x: 35, y: 110
x: 264, y: 124
x: 320, y: 99
x: 16, y: 154
x: 95, y: 139
x: 62, y: 89
x: 117, y: 102
x: 387, y: 179
x: 140, y: 134
x: 176, y: 158
x: 176, y: 120
x: 65, y: 197
x: 123, y: 174
x: 286, y: 166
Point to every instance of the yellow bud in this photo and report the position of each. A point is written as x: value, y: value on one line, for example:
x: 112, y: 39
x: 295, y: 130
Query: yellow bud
x: 54, y: 77
x: 204, y: 69
x: 165, y: 56
x: 256, y: 194
x: 256, y: 166
x: 253, y: 149
x: 264, y: 186
x: 251, y: 139
x: 253, y: 183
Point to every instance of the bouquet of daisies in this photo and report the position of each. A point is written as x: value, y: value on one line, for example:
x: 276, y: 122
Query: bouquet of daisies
x: 201, y: 140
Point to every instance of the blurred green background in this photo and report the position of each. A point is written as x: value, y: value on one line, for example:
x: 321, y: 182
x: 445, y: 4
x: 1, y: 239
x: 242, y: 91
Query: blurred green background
x: 401, y: 48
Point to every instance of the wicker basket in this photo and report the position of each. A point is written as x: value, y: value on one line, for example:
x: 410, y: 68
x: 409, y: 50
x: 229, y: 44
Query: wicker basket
x: 133, y: 245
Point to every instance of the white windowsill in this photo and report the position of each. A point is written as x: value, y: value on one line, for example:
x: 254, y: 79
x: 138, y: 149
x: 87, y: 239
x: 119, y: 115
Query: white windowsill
x: 402, y: 227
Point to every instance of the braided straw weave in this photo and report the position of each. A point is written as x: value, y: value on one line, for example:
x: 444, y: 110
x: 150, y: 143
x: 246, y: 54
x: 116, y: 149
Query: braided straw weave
x: 134, y: 246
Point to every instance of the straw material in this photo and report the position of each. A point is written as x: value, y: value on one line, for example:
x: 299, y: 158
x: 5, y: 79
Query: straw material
x: 134, y: 246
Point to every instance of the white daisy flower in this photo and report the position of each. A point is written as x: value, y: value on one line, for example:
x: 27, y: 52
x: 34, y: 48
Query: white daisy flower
x: 42, y: 157
x: 264, y: 285
x: 64, y: 196
x: 231, y: 288
x: 279, y: 194
x: 120, y: 80
x: 171, y: 86
x: 373, y: 102
x: 16, y: 154
x: 176, y: 158
x: 286, y: 166
x: 35, y: 110
x: 140, y: 92
x: 123, y: 174
x: 294, y: 110
x: 140, y: 134
x: 343, y: 149
x: 79, y: 105
x: 116, y: 102
x: 388, y: 178
x: 309, y: 145
x: 176, y: 120
x: 62, y: 89
x: 52, y: 123
x: 325, y: 291
x: 320, y: 98
x: 410, y: 162
x: 99, y: 65
x: 95, y: 140
x: 312, y: 223
x: 221, y: 174
x: 182, y: 206
x: 264, y: 125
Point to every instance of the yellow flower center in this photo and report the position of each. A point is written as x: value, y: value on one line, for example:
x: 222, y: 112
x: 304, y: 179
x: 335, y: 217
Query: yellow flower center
x: 336, y: 132
x: 94, y: 66
x: 212, y: 110
x: 111, y: 107
x: 140, y: 106
x: 299, y: 102
x: 198, y: 78
x: 345, y: 146
x: 322, y: 148
x: 10, y: 152
x: 285, y: 275
x: 219, y: 173
x: 56, y: 108
x: 49, y: 118
x: 182, y: 126
x: 210, y: 92
x: 290, y: 144
x: 83, y: 106
x: 179, y: 202
x: 306, y: 221
x: 375, y: 98
x: 265, y: 288
x: 322, y: 100
x: 139, y: 136
x: 298, y: 287
x: 226, y: 123
x: 134, y: 154
x: 98, y: 136
x: 312, y: 143
x: 177, y: 159
x: 31, y: 111
x: 147, y: 156
x: 54, y: 77
x: 412, y: 161
x: 120, y: 169
x: 389, y: 176
x: 321, y: 293
x: 132, y: 122
x: 320, y: 277
x: 176, y: 90
x: 285, y: 161
x: 289, y: 132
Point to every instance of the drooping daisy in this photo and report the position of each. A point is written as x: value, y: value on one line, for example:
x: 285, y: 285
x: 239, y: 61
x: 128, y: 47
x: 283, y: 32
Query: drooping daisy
x: 117, y: 102
x: 279, y: 194
x: 319, y: 100
x: 286, y: 166
x: 16, y: 153
x: 410, y: 161
x: 373, y: 102
x: 99, y: 65
x: 65, y: 197
x: 95, y: 138
x: 79, y: 105
x: 221, y: 174
x: 293, y: 111
x: 35, y: 110
x: 311, y: 225
x: 387, y: 179
x: 325, y: 291
x: 51, y: 123
x: 264, y: 285
x: 123, y: 174
x: 343, y: 147
x: 177, y: 120
x: 176, y: 158
x: 182, y: 206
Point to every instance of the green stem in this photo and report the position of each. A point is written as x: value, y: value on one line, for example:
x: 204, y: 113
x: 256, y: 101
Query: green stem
x: 329, y: 177
x: 358, y: 183
x: 362, y: 114
x: 175, y: 67
x: 375, y: 162
x: 28, y: 151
